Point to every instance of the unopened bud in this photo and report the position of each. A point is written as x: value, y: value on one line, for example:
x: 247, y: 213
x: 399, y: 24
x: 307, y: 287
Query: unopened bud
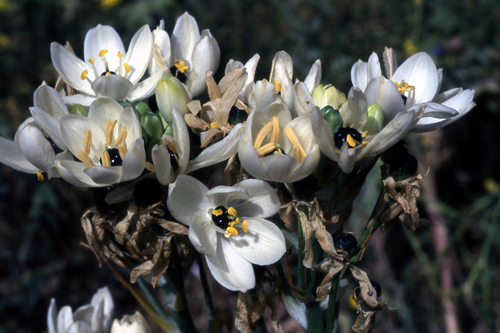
x: 328, y: 95
x: 171, y: 93
x: 151, y: 124
x: 78, y: 109
x: 333, y: 117
x: 141, y: 107
x: 375, y: 121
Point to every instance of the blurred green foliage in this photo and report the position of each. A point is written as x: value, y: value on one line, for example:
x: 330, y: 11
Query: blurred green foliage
x: 40, y: 255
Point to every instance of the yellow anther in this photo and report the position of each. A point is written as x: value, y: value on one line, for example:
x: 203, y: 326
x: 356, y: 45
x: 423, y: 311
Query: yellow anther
x: 236, y: 221
x: 259, y: 139
x: 290, y: 135
x: 87, y: 141
x: 108, y: 133
x: 150, y: 167
x: 102, y: 52
x: 120, y: 55
x: 173, y: 149
x: 266, y: 149
x: 297, y: 154
x: 217, y: 212
x: 122, y: 149
x: 403, y: 86
x: 84, y: 74
x: 231, y: 211
x: 275, y: 134
x: 364, y: 143
x: 245, y: 226
x: 180, y: 65
x: 108, y: 74
x: 105, y: 159
x: 233, y: 231
x: 350, y: 141
x: 365, y: 134
x: 127, y: 67
x: 39, y: 176
x: 85, y: 159
x: 121, y: 137
x: 277, y: 85
x: 277, y: 151
x: 91, y: 60
x: 214, y: 124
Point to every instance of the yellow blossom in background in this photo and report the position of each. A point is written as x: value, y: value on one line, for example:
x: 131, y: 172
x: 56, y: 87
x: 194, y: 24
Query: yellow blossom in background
x: 4, y: 41
x: 490, y: 185
x: 5, y: 5
x: 409, y: 47
x: 107, y: 4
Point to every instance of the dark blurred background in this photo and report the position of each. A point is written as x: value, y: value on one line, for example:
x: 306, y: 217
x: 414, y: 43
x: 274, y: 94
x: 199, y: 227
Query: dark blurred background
x: 441, y: 278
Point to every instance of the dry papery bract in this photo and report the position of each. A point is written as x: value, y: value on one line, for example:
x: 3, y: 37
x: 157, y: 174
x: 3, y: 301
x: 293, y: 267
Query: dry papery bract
x: 153, y: 249
x: 246, y: 317
x: 212, y: 119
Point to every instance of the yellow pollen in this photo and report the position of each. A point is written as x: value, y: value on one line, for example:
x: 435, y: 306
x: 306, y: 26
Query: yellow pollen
x: 180, y: 65
x: 120, y: 54
x: 365, y: 134
x: 87, y: 141
x: 102, y: 52
x: 214, y: 124
x: 259, y: 139
x: 127, y: 67
x: 122, y: 149
x: 275, y: 134
x: 217, y: 212
x: 150, y: 167
x: 232, y: 231
x: 277, y: 151
x: 121, y: 137
x: 277, y: 85
x: 108, y: 73
x: 404, y: 86
x: 350, y: 141
x: 85, y: 159
x: 39, y: 176
x: 231, y: 211
x: 245, y: 226
x: 91, y: 60
x: 173, y: 149
x: 108, y: 133
x: 84, y: 74
x: 236, y: 221
x: 105, y: 159
x: 299, y: 153
x: 266, y: 149
x: 364, y: 143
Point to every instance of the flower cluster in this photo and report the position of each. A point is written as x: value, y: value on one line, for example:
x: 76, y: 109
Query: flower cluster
x: 100, y: 131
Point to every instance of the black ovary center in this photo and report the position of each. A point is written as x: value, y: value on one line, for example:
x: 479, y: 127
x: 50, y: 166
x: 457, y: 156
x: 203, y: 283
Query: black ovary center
x: 55, y: 147
x: 341, y: 136
x: 106, y: 73
x: 275, y: 152
x: 114, y: 157
x: 178, y: 74
x: 173, y: 159
x: 404, y: 99
x: 237, y: 116
x: 345, y: 241
x: 222, y: 220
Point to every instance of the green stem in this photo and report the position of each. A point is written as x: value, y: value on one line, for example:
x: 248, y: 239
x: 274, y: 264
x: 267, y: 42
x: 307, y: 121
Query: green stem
x: 336, y: 193
x: 206, y: 289
x: 332, y: 316
x: 314, y: 315
x: 154, y: 302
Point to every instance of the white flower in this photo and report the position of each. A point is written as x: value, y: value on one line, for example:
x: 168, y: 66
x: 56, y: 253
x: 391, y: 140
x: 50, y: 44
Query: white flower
x: 413, y: 85
x: 354, y: 141
x: 186, y: 52
x: 131, y: 324
x: 108, y: 70
x: 276, y: 148
x: 227, y: 225
x: 93, y: 318
x: 250, y: 66
x: 108, y: 142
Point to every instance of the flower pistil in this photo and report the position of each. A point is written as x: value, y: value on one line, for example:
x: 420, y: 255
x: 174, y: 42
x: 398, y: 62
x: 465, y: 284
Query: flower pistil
x: 226, y: 218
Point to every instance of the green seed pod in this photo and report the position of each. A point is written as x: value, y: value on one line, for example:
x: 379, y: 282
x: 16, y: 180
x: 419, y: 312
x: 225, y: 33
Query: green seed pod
x: 375, y: 121
x: 151, y: 124
x: 78, y: 109
x: 142, y: 107
x: 333, y: 117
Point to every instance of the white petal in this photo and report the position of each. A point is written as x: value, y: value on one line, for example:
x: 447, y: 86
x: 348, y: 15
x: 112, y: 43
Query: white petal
x: 218, y: 152
x: 134, y: 161
x: 185, y: 35
x: 84, y: 100
x: 347, y: 158
x: 112, y: 86
x: 314, y: 77
x: 439, y: 111
x: 263, y: 95
x: 445, y: 95
x: 420, y: 71
x: 181, y: 136
x: 104, y: 175
x: 250, y: 160
x: 139, y: 54
x: 36, y: 148
x: 323, y: 135
x: 223, y: 195
x: 103, y: 37
x: 357, y: 113
x: 304, y: 103
x: 49, y: 100
x: 163, y: 168
x: 280, y: 167
x: 385, y: 93
x: 161, y: 45
x: 11, y: 156
x: 263, y: 244
x: 263, y: 200
x: 129, y: 119
x: 287, y: 62
x: 186, y: 197
x: 145, y: 88
x: 103, y: 109
x: 205, y: 57
x: 72, y: 172
x: 64, y: 319
x: 229, y: 268
x: 52, y: 317
x: 202, y: 236
x: 71, y: 68
x: 72, y: 129
x: 79, y: 327
x: 308, y: 165
x: 49, y: 124
x: 287, y: 92
x: 103, y: 295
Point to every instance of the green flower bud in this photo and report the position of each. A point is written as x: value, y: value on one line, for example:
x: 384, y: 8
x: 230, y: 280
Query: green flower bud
x: 170, y: 93
x: 126, y: 104
x: 169, y: 130
x: 333, y: 118
x: 328, y: 95
x: 151, y: 124
x: 375, y: 121
x: 141, y: 107
x: 78, y: 109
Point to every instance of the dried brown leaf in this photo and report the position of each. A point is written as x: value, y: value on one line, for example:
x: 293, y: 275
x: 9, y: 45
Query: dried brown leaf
x: 242, y: 320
